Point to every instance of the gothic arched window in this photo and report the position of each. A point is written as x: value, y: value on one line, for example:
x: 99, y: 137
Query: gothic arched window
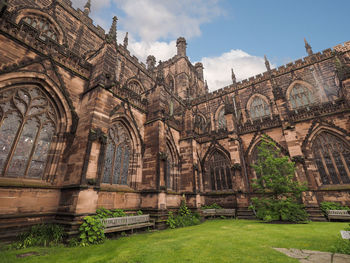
x: 170, y: 170
x: 135, y: 87
x: 47, y: 30
x: 27, y: 128
x: 221, y: 119
x: 118, y: 156
x: 300, y: 96
x: 200, y: 125
x: 218, y: 172
x: 332, y: 158
x: 259, y: 108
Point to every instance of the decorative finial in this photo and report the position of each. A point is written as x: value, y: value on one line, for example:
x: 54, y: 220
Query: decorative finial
x: 112, y: 35
x: 87, y: 7
x: 126, y: 40
x: 206, y: 85
x: 267, y: 63
x: 233, y: 76
x: 308, y: 47
x: 160, y: 73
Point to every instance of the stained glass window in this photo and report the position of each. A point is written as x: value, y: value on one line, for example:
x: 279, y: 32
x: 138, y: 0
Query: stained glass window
x: 221, y: 119
x: 300, y: 96
x: 27, y: 127
x: 259, y: 108
x: 218, y: 172
x: 42, y: 24
x: 118, y: 155
x: 332, y: 158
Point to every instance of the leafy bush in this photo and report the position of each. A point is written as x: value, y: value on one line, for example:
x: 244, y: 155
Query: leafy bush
x: 212, y: 206
x: 332, y: 206
x: 106, y: 213
x: 41, y: 235
x: 184, y: 217
x: 342, y: 246
x: 281, y: 194
x: 91, y: 231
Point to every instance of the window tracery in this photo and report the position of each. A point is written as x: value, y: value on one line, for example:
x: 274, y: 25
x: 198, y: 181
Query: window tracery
x: 118, y: 156
x: 300, y: 96
x: 47, y: 30
x: 219, y: 172
x: 135, y: 87
x: 27, y: 128
x: 332, y: 158
x: 259, y: 108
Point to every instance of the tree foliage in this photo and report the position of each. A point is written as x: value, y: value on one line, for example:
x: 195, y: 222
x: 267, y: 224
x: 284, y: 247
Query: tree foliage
x: 279, y: 192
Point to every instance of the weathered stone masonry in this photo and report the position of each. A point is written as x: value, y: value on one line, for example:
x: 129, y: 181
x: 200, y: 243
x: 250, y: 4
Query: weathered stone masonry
x: 84, y: 124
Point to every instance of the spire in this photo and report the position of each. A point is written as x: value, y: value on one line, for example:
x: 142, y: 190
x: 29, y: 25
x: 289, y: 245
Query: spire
x: 267, y: 63
x: 112, y: 35
x: 87, y: 7
x: 126, y: 40
x: 233, y: 76
x: 308, y: 47
x: 206, y: 86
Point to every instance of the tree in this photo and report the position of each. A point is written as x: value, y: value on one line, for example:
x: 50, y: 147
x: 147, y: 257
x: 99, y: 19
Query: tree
x: 279, y: 192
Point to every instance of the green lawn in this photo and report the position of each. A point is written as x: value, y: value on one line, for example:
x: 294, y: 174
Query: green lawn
x: 212, y: 241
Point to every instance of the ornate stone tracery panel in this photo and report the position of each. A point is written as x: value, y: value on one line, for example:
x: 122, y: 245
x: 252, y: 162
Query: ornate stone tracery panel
x: 218, y: 173
x: 332, y: 158
x: 118, y: 156
x: 300, y: 97
x: 28, y: 122
x: 259, y: 108
x: 47, y: 30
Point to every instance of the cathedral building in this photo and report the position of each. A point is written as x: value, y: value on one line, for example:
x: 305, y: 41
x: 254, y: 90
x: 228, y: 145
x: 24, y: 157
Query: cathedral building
x: 84, y: 124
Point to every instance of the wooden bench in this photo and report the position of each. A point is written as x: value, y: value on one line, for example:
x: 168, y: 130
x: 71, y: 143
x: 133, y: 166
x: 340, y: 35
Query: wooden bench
x: 338, y: 214
x: 118, y: 224
x: 218, y: 212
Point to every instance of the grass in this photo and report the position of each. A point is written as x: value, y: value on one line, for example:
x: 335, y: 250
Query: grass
x: 212, y: 241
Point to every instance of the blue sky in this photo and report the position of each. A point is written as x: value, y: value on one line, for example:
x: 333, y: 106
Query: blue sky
x: 224, y: 34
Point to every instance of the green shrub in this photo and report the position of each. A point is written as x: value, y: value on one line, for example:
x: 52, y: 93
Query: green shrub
x: 106, y: 213
x: 332, y: 206
x: 280, y: 192
x: 184, y: 217
x: 91, y: 231
x: 41, y: 235
x: 212, y: 206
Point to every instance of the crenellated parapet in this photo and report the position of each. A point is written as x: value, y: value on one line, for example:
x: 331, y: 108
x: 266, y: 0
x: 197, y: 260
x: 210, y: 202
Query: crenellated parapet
x: 31, y: 37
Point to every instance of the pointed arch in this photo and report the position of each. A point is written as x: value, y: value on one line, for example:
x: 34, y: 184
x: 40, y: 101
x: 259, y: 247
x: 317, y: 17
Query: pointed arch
x: 217, y: 169
x: 170, y: 82
x: 43, y: 22
x: 34, y: 118
x: 301, y: 94
x: 258, y: 107
x: 135, y: 85
x: 220, y: 119
x: 329, y: 150
x: 122, y: 157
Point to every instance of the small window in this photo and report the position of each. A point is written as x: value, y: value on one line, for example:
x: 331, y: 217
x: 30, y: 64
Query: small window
x: 42, y: 24
x: 300, y: 97
x: 259, y: 108
x: 221, y: 119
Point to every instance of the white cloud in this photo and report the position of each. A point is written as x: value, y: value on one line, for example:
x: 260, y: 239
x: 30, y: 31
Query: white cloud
x: 217, y: 70
x: 152, y: 20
